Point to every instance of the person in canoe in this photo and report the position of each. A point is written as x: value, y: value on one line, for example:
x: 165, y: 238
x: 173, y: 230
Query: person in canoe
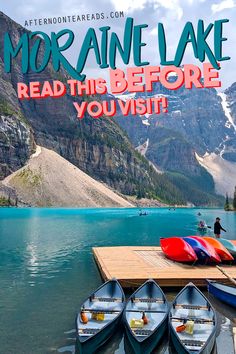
x: 218, y: 228
x: 202, y: 226
x: 142, y: 213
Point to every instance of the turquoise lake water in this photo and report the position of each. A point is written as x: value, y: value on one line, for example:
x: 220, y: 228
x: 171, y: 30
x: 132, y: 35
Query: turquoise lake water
x: 47, y: 269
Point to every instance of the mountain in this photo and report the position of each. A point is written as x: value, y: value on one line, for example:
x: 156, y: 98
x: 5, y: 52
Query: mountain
x: 49, y: 180
x: 99, y: 147
x: 154, y: 156
x: 223, y: 171
x: 16, y: 136
x: 197, y: 123
x: 231, y: 99
x: 229, y: 102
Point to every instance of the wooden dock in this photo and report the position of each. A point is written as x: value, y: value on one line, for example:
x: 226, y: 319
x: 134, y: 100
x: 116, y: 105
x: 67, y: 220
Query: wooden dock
x: 132, y: 265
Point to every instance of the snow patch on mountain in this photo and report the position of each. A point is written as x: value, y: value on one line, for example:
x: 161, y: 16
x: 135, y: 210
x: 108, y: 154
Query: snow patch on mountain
x: 125, y: 97
x: 146, y: 122
x: 224, y: 103
x: 142, y: 149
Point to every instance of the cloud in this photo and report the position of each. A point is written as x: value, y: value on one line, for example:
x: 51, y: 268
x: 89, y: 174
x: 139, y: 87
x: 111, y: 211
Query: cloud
x: 223, y: 5
x: 132, y: 5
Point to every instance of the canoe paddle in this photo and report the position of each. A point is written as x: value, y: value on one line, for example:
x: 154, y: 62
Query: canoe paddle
x: 226, y: 274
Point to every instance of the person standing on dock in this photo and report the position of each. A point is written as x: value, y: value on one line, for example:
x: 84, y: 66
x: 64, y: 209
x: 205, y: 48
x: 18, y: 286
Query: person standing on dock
x: 218, y: 228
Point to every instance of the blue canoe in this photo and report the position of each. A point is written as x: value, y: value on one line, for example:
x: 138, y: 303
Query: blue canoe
x: 223, y: 292
x: 109, y: 301
x: 191, y: 305
x: 150, y: 300
x: 201, y: 252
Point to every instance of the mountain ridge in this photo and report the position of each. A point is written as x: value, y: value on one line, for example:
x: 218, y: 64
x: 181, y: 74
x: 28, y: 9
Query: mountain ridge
x: 99, y: 148
x: 196, y: 123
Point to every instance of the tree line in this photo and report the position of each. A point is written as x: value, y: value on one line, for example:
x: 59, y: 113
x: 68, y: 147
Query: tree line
x: 228, y: 205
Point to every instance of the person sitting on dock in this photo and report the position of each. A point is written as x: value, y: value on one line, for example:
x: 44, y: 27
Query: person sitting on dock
x: 218, y: 228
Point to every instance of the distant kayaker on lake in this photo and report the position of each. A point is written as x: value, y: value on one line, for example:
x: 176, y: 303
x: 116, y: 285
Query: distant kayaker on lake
x: 218, y: 228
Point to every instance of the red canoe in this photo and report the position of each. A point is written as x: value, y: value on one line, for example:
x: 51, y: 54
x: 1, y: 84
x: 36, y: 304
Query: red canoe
x: 178, y: 250
x: 211, y: 250
x: 220, y: 249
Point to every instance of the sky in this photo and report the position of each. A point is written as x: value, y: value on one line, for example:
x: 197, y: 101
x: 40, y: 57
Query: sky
x: 172, y: 13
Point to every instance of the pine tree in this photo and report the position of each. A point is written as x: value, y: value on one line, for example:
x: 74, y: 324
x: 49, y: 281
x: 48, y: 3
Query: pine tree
x: 227, y: 206
x: 234, y: 200
x: 141, y: 193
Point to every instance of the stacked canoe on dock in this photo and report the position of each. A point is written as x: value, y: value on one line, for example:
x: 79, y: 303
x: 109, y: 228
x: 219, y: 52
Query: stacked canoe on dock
x: 204, y: 250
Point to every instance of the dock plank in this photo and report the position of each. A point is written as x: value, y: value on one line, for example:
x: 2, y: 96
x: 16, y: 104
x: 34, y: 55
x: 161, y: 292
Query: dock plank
x: 132, y: 265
